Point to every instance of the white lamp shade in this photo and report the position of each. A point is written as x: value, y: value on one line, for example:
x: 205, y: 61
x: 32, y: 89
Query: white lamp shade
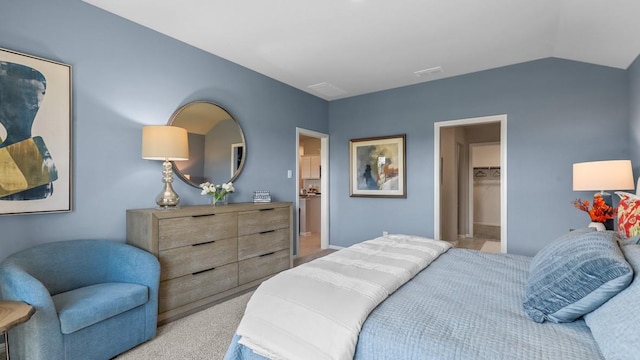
x: 165, y: 143
x: 603, y: 175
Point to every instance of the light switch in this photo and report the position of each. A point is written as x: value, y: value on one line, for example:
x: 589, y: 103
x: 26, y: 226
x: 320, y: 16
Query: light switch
x: 289, y: 174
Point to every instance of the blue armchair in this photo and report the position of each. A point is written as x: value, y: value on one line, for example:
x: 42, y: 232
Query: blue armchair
x: 94, y: 299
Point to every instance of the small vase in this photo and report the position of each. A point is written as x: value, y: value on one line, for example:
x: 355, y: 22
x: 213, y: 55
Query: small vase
x: 597, y: 225
x: 221, y: 201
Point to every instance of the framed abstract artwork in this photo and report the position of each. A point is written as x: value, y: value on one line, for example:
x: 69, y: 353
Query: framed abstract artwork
x: 35, y: 134
x: 377, y: 167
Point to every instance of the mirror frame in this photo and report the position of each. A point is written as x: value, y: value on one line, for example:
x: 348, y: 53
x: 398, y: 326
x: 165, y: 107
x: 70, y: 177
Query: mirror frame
x: 172, y: 119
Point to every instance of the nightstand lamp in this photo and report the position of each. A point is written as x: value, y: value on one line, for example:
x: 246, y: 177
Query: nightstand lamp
x: 167, y: 143
x: 601, y: 176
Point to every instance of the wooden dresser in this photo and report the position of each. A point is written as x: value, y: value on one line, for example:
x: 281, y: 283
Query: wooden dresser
x: 208, y: 253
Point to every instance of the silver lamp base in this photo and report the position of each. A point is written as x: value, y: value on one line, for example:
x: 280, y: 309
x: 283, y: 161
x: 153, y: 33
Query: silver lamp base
x: 167, y: 199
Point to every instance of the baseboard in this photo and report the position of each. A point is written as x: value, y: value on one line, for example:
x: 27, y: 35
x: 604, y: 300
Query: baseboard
x: 336, y: 247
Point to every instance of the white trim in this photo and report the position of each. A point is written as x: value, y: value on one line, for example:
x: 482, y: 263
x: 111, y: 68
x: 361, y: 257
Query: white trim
x: 502, y: 119
x: 324, y: 184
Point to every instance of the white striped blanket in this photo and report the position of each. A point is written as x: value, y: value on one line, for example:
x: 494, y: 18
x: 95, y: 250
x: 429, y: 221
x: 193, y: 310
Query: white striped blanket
x: 315, y: 311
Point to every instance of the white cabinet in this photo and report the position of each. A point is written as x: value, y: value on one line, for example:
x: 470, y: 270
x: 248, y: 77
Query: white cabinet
x: 310, y: 167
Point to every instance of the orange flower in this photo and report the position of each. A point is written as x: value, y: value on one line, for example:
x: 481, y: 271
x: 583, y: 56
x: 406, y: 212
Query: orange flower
x: 600, y: 212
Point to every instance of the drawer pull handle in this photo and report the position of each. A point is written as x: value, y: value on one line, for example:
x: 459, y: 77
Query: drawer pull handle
x: 204, y: 243
x: 267, y: 209
x: 267, y: 254
x: 266, y: 232
x: 203, y: 215
x: 202, y: 271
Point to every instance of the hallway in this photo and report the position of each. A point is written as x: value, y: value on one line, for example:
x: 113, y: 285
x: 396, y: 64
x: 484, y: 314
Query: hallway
x: 478, y: 243
x: 308, y: 244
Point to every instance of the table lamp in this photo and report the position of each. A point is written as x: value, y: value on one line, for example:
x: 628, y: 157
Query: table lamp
x: 601, y: 176
x: 167, y: 143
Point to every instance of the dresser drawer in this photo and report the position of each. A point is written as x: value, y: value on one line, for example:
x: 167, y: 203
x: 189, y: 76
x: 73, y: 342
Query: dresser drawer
x: 193, y: 258
x: 189, y: 288
x: 251, y: 222
x: 204, y: 251
x: 263, y: 265
x: 189, y: 230
x: 262, y: 243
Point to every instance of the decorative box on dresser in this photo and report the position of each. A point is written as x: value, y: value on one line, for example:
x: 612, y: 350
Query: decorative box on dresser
x: 209, y: 253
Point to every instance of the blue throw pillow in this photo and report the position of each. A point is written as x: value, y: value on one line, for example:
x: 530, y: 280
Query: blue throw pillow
x: 549, y: 251
x: 574, y: 275
x: 615, y: 325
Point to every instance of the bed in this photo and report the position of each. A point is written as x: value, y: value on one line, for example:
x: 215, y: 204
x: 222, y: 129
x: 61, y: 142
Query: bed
x: 466, y: 304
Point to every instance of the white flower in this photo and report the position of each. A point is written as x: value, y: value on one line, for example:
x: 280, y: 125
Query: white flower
x: 228, y: 187
x: 217, y: 192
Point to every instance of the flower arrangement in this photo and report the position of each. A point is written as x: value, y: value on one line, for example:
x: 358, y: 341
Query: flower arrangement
x: 599, y: 212
x: 217, y: 192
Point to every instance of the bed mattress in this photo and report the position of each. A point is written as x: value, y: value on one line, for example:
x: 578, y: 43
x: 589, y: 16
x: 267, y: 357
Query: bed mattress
x: 468, y: 305
x: 465, y: 305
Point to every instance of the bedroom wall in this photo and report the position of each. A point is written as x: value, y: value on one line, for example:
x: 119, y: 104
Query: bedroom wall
x: 126, y: 76
x: 559, y: 112
x: 634, y: 115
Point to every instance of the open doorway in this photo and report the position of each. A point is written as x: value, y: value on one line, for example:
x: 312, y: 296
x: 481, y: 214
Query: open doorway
x: 470, y: 182
x: 312, y: 189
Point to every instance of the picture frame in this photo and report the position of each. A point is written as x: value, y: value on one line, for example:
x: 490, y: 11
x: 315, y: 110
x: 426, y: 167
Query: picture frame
x: 35, y: 134
x: 377, y: 167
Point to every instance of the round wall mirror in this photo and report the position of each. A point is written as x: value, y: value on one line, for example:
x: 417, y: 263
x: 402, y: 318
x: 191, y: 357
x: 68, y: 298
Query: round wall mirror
x: 217, y: 148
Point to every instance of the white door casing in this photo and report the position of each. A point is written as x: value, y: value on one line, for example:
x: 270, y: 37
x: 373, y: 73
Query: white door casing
x: 324, y: 184
x: 502, y: 119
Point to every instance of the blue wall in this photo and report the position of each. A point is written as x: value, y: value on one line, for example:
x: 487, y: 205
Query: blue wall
x: 559, y: 112
x: 634, y: 114
x: 126, y: 76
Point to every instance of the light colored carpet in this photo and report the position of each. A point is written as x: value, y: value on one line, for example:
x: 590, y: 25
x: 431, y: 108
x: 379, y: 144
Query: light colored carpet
x: 203, y: 335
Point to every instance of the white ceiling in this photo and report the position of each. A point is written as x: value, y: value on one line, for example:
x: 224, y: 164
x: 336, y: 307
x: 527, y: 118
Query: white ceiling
x: 361, y: 46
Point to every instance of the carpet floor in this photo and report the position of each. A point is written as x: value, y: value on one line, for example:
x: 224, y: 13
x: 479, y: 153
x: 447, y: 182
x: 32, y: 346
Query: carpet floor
x: 203, y: 335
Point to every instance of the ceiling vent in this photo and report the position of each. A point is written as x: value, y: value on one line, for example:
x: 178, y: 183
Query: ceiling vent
x: 429, y: 72
x: 327, y: 89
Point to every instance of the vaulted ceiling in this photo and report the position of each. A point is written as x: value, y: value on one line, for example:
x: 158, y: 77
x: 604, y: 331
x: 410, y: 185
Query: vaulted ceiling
x: 340, y: 48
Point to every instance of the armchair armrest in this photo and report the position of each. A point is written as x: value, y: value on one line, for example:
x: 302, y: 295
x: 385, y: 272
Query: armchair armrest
x: 128, y: 263
x: 18, y: 285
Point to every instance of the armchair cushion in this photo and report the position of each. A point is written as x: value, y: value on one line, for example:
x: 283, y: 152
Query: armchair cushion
x: 92, y: 304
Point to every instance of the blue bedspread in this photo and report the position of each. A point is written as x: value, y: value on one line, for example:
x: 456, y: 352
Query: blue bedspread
x: 465, y: 305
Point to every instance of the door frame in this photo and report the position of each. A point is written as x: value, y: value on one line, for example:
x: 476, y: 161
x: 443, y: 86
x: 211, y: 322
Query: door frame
x: 324, y: 184
x: 437, y: 164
